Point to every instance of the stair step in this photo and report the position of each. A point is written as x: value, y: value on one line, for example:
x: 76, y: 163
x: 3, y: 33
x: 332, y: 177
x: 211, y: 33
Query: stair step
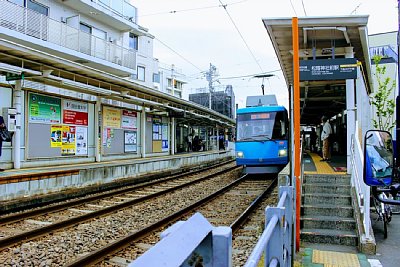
x: 327, y: 222
x: 345, y: 211
x: 332, y: 199
x: 326, y: 188
x: 331, y: 179
x: 327, y: 236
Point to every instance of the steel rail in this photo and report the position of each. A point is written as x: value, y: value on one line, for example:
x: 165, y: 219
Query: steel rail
x: 13, y: 240
x: 243, y: 217
x: 100, y: 254
x: 63, y: 206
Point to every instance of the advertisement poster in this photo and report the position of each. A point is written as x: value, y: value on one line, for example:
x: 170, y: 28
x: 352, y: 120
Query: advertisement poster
x: 129, y: 119
x: 75, y: 112
x: 68, y: 140
x: 81, y: 141
x: 56, y: 135
x: 164, y: 137
x: 44, y: 109
x: 108, y: 135
x: 111, y: 117
x: 130, y: 141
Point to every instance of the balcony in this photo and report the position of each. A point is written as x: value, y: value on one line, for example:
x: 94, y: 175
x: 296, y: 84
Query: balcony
x: 119, y: 14
x: 33, y: 24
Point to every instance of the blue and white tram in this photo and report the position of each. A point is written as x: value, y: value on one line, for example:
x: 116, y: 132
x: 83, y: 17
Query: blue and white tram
x: 262, y: 139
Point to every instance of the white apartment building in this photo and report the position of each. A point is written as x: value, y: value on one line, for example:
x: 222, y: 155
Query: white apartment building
x: 103, y: 34
x: 385, y: 45
x: 78, y: 83
x: 170, y: 80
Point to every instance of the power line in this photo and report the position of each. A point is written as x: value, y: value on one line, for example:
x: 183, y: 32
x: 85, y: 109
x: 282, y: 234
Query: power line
x: 178, y: 54
x: 304, y: 8
x: 249, y: 75
x: 237, y: 29
x: 192, y: 9
x: 291, y: 3
x: 355, y: 9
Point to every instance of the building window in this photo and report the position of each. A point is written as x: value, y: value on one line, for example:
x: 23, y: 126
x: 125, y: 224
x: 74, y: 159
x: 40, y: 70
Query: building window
x: 156, y: 77
x: 169, y: 82
x: 141, y: 73
x: 133, y: 41
x: 33, y: 5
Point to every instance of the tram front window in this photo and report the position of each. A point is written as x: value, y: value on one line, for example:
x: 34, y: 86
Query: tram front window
x: 260, y: 126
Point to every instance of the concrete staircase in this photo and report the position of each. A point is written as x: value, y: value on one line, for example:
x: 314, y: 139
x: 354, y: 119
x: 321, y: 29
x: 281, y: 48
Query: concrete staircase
x: 327, y: 214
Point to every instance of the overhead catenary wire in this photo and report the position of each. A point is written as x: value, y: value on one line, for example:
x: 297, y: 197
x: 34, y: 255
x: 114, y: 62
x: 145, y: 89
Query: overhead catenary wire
x: 248, y: 75
x: 294, y: 10
x: 178, y: 54
x: 304, y: 8
x: 241, y: 36
x: 192, y: 9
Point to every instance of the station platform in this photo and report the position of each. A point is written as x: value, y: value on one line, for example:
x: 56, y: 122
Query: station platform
x: 324, y: 255
x: 19, y: 186
x: 314, y: 165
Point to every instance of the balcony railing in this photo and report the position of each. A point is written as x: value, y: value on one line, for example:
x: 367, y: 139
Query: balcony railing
x: 120, y: 7
x: 37, y: 25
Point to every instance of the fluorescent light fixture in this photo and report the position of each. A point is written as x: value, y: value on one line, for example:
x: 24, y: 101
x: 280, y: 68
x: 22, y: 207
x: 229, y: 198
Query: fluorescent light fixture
x: 90, y: 88
x: 18, y: 70
x: 144, y: 101
x: 10, y: 69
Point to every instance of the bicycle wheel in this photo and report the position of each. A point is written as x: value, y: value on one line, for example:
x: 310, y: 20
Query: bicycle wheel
x: 386, y: 215
x: 384, y: 219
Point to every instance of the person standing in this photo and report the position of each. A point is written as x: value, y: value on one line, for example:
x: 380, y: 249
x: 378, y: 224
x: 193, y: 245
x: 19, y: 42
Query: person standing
x: 2, y: 126
x: 326, y: 132
x: 313, y: 140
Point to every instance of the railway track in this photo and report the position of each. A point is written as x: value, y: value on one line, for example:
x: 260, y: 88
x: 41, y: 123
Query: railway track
x: 239, y: 205
x: 60, y: 242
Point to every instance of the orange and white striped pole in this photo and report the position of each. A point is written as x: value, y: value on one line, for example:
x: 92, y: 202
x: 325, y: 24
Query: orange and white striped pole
x: 296, y: 120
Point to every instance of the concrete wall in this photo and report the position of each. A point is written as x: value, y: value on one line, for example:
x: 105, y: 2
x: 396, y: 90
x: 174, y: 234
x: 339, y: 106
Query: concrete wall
x: 107, y: 173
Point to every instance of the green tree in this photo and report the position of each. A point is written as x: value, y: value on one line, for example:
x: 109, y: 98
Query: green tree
x: 384, y: 105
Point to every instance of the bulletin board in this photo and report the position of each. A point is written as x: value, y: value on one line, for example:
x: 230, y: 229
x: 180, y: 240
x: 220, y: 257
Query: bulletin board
x: 39, y: 141
x: 113, y: 141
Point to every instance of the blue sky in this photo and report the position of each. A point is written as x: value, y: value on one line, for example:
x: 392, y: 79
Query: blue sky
x: 202, y: 32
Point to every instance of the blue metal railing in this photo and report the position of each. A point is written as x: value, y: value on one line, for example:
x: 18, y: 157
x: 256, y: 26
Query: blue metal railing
x: 276, y: 240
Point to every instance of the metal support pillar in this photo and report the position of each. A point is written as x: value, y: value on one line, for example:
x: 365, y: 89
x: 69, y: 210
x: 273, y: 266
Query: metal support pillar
x: 143, y: 133
x: 351, y: 111
x: 17, y: 104
x: 173, y: 133
x: 98, y: 129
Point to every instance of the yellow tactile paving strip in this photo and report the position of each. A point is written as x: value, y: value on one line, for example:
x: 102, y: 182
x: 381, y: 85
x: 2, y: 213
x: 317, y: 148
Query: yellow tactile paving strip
x: 321, y: 166
x: 335, y: 259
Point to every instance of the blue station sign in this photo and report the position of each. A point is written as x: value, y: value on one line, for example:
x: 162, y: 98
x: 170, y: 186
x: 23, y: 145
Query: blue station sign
x: 328, y: 69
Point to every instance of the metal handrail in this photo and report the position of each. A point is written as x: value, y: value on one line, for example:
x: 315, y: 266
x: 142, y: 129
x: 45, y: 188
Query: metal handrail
x: 362, y: 191
x: 276, y: 238
x: 34, y: 24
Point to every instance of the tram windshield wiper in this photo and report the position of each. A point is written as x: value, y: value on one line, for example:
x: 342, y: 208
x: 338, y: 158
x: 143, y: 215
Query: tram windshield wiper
x: 264, y: 136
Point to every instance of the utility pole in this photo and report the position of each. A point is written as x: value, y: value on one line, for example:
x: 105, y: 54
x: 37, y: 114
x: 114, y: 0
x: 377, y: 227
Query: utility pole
x: 210, y: 78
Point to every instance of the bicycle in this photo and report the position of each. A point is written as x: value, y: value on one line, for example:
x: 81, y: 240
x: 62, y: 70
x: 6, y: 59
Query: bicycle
x: 384, y: 212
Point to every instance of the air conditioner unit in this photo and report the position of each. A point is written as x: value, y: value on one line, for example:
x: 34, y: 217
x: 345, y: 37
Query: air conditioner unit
x: 63, y: 19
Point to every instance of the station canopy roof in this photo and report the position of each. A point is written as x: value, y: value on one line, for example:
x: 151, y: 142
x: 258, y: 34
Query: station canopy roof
x: 319, y: 38
x: 49, y: 69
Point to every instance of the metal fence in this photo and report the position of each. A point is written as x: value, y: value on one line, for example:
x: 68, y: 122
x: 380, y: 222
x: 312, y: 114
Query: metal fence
x: 276, y: 240
x: 29, y: 22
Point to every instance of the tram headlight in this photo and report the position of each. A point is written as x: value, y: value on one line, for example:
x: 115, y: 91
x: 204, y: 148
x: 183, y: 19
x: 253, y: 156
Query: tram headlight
x: 282, y: 153
x: 240, y: 154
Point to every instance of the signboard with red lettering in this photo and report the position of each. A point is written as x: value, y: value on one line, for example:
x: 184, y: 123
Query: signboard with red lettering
x: 75, y: 112
x: 129, y: 119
